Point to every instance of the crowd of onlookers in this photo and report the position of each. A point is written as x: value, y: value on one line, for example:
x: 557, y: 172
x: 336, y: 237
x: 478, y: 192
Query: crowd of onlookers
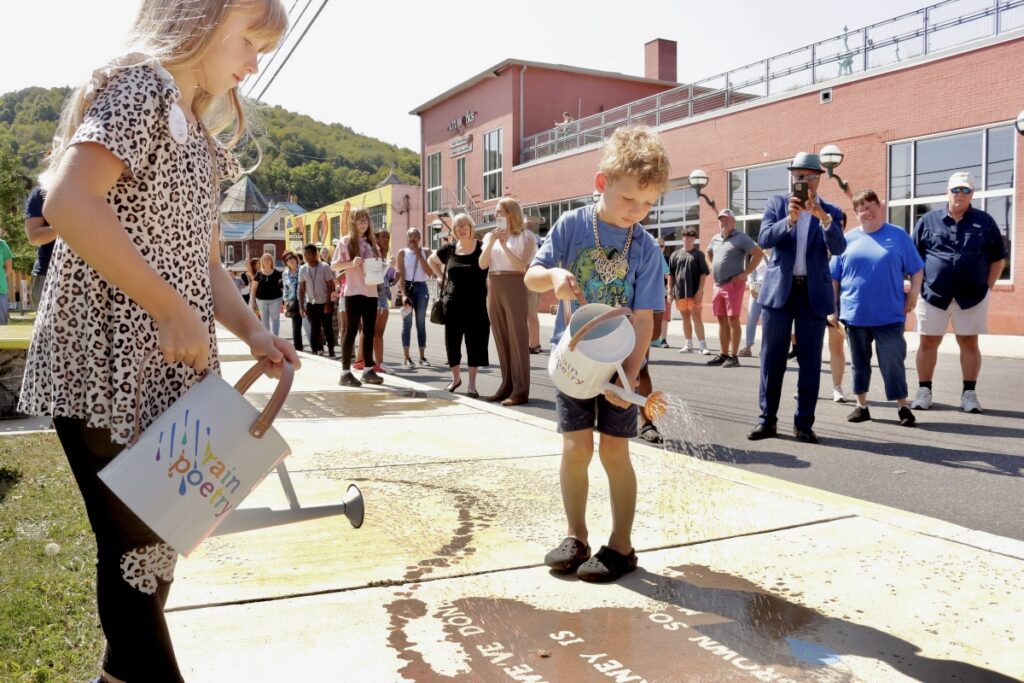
x: 874, y: 279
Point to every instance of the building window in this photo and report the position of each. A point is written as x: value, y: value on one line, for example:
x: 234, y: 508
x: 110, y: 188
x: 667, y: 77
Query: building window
x: 919, y: 170
x: 229, y: 254
x: 546, y: 215
x: 433, y: 182
x: 378, y: 217
x: 492, y: 164
x: 676, y: 209
x: 749, y: 190
x: 460, y: 180
x: 270, y: 249
x: 335, y: 228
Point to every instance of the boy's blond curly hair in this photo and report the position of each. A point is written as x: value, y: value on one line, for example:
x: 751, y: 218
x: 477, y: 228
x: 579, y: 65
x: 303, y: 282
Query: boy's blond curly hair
x: 637, y: 152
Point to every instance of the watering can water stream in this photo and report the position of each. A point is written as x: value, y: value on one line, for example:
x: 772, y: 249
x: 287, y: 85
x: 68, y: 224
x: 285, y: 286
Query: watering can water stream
x: 597, y: 339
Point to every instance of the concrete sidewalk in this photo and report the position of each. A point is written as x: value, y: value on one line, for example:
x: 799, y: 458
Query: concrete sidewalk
x: 742, y: 577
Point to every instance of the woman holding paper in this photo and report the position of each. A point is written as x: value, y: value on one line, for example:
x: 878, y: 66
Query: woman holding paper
x: 356, y: 255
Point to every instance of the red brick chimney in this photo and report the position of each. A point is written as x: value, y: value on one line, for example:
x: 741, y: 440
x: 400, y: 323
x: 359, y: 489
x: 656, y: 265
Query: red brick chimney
x: 660, y: 60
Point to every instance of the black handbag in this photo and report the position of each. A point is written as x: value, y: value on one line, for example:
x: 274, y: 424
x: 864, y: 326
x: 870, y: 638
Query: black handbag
x: 437, y: 311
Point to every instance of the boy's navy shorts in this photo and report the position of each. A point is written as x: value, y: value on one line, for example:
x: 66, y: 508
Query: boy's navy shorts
x: 575, y: 414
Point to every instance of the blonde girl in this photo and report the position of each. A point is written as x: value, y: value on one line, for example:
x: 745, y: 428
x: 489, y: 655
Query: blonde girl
x: 360, y: 298
x: 132, y: 192
x: 507, y: 252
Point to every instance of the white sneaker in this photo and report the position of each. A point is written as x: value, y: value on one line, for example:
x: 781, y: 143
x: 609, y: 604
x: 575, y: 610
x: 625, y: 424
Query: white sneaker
x: 838, y: 395
x: 969, y: 402
x: 687, y: 348
x: 705, y: 351
x: 923, y: 400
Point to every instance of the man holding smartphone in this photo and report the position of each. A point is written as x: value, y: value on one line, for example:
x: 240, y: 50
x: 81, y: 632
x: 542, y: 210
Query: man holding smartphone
x: 802, y: 230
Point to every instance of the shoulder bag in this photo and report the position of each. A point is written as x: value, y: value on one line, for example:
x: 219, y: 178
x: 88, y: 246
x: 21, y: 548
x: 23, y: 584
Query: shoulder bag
x: 437, y: 311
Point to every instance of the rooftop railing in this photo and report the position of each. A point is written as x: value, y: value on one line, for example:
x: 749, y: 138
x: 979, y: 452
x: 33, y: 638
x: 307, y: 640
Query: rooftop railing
x: 938, y: 27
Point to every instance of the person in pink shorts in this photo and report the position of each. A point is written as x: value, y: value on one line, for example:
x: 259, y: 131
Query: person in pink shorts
x: 727, y: 255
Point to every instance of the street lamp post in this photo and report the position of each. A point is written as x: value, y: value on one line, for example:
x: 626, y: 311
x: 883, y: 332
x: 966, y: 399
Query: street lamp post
x: 831, y: 157
x: 698, y: 181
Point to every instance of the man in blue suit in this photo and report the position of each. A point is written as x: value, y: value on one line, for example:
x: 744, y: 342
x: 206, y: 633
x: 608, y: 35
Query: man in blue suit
x: 797, y: 287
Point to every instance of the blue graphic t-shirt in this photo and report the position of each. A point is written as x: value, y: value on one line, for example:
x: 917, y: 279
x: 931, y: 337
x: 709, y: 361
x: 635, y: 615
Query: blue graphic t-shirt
x: 569, y: 246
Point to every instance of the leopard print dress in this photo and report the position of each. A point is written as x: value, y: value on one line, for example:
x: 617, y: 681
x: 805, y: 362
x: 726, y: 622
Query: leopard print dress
x: 90, y: 339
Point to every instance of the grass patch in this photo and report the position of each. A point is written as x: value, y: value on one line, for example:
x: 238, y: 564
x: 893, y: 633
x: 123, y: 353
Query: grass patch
x: 49, y: 630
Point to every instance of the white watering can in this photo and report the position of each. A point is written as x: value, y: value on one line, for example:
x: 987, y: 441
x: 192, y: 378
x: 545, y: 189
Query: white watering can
x: 597, y: 339
x: 373, y: 271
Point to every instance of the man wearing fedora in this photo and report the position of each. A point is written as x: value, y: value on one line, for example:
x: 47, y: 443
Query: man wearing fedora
x: 963, y: 253
x: 797, y: 289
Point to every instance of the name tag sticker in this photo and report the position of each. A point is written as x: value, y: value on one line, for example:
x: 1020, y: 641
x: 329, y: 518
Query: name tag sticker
x: 178, y: 124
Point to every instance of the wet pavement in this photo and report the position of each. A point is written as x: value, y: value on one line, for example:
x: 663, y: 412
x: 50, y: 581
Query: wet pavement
x: 742, y: 577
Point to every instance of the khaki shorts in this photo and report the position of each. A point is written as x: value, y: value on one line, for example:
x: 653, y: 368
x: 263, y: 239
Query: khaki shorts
x: 933, y: 321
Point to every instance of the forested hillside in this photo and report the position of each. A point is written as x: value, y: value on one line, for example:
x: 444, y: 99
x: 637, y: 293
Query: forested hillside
x: 319, y: 163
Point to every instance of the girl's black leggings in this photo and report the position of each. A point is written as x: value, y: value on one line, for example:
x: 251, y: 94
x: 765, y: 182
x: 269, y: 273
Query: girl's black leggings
x: 359, y: 308
x: 134, y: 568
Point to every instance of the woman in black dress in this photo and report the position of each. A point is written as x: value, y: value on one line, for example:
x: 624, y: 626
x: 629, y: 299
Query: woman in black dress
x: 466, y: 311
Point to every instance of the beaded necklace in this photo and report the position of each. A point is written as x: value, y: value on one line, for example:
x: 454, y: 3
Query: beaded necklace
x: 610, y: 269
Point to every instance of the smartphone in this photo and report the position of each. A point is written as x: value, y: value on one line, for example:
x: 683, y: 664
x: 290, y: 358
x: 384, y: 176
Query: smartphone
x: 501, y: 223
x: 798, y: 188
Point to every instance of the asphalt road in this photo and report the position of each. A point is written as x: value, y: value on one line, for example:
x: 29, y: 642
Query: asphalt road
x: 962, y: 468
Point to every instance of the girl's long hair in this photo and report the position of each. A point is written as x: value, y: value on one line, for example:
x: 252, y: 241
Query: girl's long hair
x: 176, y: 33
x: 354, y: 236
x: 515, y: 215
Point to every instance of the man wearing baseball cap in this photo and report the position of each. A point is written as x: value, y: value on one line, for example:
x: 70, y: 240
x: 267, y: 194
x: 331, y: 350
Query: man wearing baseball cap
x: 963, y: 253
x: 797, y: 289
x: 727, y: 255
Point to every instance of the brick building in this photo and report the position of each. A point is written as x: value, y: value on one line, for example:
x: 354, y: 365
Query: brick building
x: 909, y: 100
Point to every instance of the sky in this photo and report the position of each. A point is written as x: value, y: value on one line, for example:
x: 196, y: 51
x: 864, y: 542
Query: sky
x: 368, y: 64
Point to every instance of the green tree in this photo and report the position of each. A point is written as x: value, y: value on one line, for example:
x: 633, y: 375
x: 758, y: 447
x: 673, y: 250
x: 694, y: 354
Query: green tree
x: 13, y: 189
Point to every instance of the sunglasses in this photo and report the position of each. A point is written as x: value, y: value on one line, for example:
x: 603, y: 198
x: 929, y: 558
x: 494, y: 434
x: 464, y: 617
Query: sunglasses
x: 961, y: 190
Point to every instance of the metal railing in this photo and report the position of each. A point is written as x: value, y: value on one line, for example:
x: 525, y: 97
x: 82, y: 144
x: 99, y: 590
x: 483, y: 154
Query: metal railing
x: 450, y: 202
x: 941, y: 26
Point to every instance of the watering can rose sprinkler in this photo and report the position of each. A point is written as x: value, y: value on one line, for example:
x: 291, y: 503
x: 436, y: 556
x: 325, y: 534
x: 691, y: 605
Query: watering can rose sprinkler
x: 597, y: 339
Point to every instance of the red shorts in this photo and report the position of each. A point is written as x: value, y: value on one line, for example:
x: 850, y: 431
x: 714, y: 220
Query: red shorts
x: 728, y: 298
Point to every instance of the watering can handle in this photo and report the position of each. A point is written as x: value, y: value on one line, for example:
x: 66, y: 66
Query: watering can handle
x: 566, y: 314
x: 607, y: 315
x: 277, y: 399
x: 266, y: 418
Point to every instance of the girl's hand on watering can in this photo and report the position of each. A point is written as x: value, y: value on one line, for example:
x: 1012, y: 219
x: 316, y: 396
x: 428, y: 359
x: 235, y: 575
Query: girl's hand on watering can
x: 565, y: 284
x: 263, y: 344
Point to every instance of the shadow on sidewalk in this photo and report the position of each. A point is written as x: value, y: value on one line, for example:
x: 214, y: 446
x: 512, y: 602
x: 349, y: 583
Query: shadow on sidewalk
x: 730, y: 614
x: 998, y: 463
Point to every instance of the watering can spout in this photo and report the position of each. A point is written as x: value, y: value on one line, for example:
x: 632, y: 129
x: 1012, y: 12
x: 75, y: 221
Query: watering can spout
x: 654, y: 406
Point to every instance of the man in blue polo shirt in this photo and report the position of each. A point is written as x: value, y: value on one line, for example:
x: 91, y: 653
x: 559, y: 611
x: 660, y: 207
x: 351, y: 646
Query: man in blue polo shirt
x: 963, y: 253
x: 868, y: 282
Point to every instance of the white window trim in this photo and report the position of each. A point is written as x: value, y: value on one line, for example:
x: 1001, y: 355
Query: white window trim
x: 460, y: 180
x: 501, y: 164
x: 434, y: 188
x: 746, y: 183
x: 270, y: 249
x: 229, y: 253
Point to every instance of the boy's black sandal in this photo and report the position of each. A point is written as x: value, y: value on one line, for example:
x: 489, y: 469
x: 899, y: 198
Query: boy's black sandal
x: 607, y: 565
x: 568, y: 556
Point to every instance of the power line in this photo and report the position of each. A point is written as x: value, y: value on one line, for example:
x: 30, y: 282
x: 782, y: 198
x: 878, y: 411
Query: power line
x: 263, y: 72
x: 259, y: 61
x: 292, y: 51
